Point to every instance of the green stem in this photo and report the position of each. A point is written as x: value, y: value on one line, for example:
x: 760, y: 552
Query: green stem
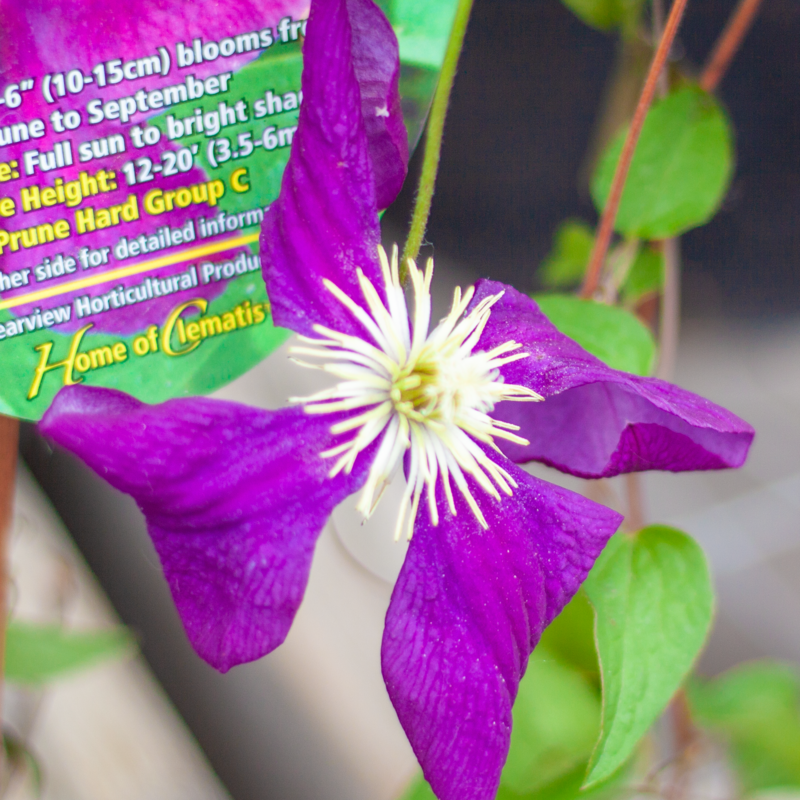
x: 433, y: 139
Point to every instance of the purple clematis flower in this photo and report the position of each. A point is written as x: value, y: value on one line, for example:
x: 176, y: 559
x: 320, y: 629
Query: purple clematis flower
x: 235, y: 497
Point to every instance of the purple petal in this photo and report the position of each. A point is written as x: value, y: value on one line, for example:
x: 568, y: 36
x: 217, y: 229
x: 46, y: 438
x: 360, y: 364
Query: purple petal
x: 347, y: 161
x: 596, y: 421
x: 234, y: 497
x: 468, y: 608
x: 376, y: 61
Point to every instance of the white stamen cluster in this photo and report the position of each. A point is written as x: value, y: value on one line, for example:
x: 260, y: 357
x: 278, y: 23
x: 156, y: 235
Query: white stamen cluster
x: 427, y: 393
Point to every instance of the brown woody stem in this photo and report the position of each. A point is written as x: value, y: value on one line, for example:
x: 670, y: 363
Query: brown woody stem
x: 634, y: 519
x: 669, y: 322
x: 606, y: 228
x: 728, y: 43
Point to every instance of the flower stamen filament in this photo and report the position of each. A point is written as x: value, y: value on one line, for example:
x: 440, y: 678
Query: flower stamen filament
x: 426, y: 394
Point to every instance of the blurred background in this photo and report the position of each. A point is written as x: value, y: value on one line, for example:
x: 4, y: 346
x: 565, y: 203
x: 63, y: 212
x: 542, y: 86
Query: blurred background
x: 312, y: 721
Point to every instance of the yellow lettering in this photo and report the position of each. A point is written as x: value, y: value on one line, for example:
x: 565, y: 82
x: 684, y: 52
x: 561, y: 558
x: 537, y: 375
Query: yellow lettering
x: 210, y: 326
x: 101, y: 357
x: 68, y: 364
x: 30, y: 198
x: 61, y: 228
x: 120, y: 352
x: 169, y: 326
x: 84, y: 220
x: 240, y: 180
x: 215, y: 190
x: 157, y: 201
x: 141, y: 346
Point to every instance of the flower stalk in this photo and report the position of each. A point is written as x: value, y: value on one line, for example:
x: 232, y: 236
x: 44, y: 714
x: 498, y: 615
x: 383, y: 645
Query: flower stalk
x: 433, y: 138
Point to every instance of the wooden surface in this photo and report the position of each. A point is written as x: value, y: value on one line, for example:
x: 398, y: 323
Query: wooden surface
x: 106, y: 732
x: 9, y: 441
x: 9, y: 436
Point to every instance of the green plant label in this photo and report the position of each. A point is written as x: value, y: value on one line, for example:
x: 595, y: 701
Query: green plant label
x: 140, y: 145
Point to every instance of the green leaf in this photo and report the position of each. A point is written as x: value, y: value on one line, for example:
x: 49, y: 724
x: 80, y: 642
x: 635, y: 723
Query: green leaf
x: 680, y: 170
x: 572, y: 246
x: 756, y: 708
x: 611, y: 333
x: 654, y: 603
x: 568, y: 787
x: 645, y: 277
x: 556, y: 722
x: 36, y: 654
x: 419, y: 789
x: 607, y: 14
x: 570, y: 637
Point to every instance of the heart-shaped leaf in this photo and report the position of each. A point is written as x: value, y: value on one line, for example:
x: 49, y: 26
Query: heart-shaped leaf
x: 566, y: 264
x: 654, y: 603
x: 556, y: 722
x: 611, y: 333
x: 646, y: 275
x: 680, y: 170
